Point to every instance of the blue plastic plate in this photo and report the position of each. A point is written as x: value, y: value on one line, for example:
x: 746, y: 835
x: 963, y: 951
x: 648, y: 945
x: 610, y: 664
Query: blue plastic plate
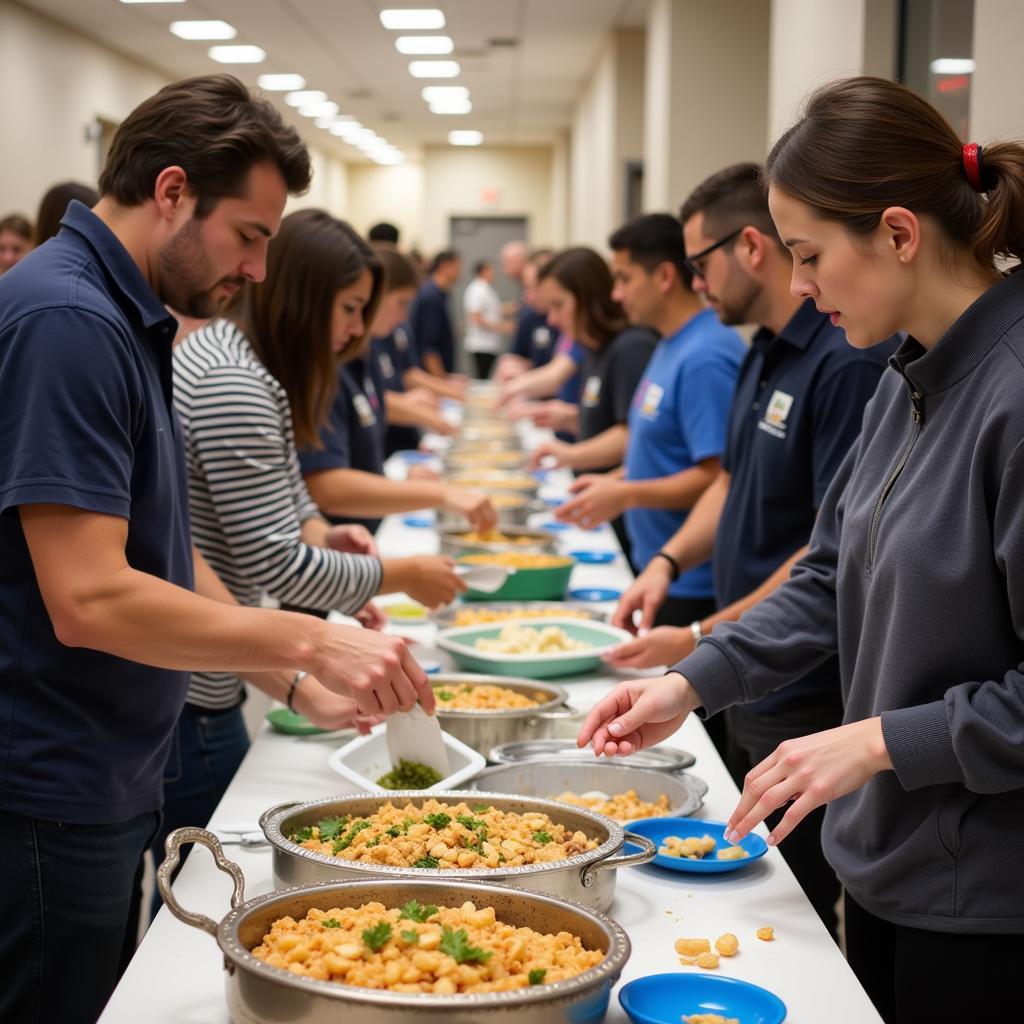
x: 554, y: 525
x: 593, y: 557
x: 666, y: 998
x: 659, y: 829
x: 411, y: 455
x: 419, y: 522
x: 595, y: 594
x: 554, y: 502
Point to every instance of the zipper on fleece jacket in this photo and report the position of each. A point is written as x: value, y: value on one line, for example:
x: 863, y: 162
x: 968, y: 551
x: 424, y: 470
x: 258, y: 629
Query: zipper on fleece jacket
x: 917, y: 414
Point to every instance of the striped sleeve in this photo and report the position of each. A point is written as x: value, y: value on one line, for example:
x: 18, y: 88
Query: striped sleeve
x: 239, y: 445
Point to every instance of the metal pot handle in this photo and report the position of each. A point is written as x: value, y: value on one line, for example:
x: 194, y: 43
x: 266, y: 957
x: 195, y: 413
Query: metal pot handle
x: 178, y: 838
x: 564, y: 711
x: 588, y: 876
x: 268, y: 814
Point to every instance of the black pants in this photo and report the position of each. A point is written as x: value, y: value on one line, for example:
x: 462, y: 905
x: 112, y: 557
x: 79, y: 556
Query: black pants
x: 919, y: 977
x: 484, y: 363
x: 752, y: 736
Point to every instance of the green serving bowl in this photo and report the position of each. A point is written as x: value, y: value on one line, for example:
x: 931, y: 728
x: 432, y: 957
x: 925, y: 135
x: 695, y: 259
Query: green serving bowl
x: 528, y: 584
x: 460, y: 644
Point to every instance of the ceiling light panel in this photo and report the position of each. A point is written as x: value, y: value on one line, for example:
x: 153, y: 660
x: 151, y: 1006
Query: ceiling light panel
x: 465, y: 138
x: 305, y: 97
x: 434, y: 93
x: 203, y: 30
x: 237, y: 54
x: 423, y: 46
x: 325, y: 108
x: 281, y: 83
x: 415, y: 20
x: 434, y: 68
x: 953, y: 66
x: 451, y: 107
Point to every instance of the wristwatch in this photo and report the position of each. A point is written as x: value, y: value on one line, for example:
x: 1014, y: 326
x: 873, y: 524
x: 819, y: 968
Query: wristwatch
x: 698, y: 633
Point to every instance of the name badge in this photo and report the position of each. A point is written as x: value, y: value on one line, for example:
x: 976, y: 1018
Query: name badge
x: 591, y: 391
x: 541, y: 337
x: 401, y: 339
x: 387, y: 368
x: 651, y: 401
x: 362, y: 406
x: 776, y: 414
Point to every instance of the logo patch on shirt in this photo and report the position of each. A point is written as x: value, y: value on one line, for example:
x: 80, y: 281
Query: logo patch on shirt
x: 591, y: 391
x: 362, y: 406
x: 401, y: 338
x: 541, y: 337
x: 387, y: 368
x: 775, y: 415
x: 651, y: 401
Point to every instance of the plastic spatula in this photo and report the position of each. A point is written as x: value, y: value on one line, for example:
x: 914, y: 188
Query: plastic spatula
x: 416, y: 736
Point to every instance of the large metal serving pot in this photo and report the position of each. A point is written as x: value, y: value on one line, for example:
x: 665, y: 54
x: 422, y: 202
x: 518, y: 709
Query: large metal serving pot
x: 258, y: 993
x: 513, y: 510
x: 521, y: 538
x: 459, y: 460
x: 588, y: 877
x: 495, y: 481
x: 477, y: 729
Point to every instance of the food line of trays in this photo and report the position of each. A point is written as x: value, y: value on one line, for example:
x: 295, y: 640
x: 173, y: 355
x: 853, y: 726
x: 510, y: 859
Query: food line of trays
x: 339, y: 860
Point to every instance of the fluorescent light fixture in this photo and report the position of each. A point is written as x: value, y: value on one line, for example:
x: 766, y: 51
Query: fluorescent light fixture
x: 465, y: 138
x: 203, y: 30
x: 437, y: 93
x: 281, y: 83
x: 345, y: 128
x: 953, y: 66
x: 360, y: 135
x: 325, y: 108
x: 415, y: 46
x: 454, y: 106
x: 434, y: 68
x: 388, y: 159
x: 305, y: 97
x: 425, y: 19
x: 237, y: 54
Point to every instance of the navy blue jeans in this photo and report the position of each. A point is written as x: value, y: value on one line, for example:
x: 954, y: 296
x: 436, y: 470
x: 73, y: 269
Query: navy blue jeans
x: 65, y: 895
x: 207, y: 748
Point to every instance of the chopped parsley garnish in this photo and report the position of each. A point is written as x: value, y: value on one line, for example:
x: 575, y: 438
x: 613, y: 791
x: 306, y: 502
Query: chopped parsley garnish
x: 330, y: 922
x: 346, y: 840
x: 473, y: 823
x: 456, y: 945
x: 376, y: 936
x: 426, y: 862
x: 444, y: 695
x: 330, y: 828
x: 416, y: 911
x: 410, y: 775
x: 536, y: 976
x: 375, y: 841
x: 438, y: 821
x: 480, y: 808
x: 541, y: 837
x: 411, y: 936
x: 303, y: 835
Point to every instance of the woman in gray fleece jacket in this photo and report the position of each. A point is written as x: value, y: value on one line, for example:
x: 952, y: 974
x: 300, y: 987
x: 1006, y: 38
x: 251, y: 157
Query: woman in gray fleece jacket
x: 915, y: 575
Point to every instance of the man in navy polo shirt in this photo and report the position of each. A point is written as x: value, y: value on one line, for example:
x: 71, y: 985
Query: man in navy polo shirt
x: 797, y: 410
x: 678, y: 416
x: 104, y: 605
x: 430, y: 319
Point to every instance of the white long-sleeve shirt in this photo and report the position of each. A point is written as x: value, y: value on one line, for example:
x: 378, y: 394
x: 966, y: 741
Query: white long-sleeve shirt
x: 247, y: 497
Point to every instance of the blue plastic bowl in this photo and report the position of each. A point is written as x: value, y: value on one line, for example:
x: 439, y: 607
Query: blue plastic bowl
x: 419, y: 522
x: 593, y: 557
x: 595, y: 594
x: 665, y: 998
x: 659, y: 829
x: 554, y: 526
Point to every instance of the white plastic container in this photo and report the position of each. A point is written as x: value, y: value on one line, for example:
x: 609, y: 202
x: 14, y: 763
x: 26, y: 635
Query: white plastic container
x: 365, y: 759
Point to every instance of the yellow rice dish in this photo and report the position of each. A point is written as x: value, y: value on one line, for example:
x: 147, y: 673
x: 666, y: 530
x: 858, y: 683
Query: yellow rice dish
x: 463, y: 697
x: 517, y: 560
x: 483, y: 616
x: 422, y: 949
x: 620, y: 806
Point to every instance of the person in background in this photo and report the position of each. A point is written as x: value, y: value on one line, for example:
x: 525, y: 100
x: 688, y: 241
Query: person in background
x: 406, y: 411
x: 915, y: 573
x: 576, y: 287
x: 797, y: 410
x: 54, y: 204
x: 533, y: 342
x: 677, y: 422
x: 485, y: 327
x: 430, y: 319
x: 383, y: 236
x: 513, y: 257
x: 105, y: 606
x: 15, y: 240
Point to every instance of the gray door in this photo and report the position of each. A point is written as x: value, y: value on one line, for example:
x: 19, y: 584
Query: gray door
x: 481, y: 238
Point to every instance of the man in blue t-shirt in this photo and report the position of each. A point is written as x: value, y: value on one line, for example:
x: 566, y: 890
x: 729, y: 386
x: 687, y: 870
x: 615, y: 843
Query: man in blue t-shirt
x: 429, y: 317
x: 104, y: 604
x: 677, y: 423
x: 797, y: 411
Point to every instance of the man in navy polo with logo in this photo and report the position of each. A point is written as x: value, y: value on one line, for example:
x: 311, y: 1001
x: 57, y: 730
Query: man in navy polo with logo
x: 430, y: 319
x: 796, y: 412
x: 104, y: 605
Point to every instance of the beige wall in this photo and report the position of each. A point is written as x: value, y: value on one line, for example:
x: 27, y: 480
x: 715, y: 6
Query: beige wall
x: 393, y: 194
x: 707, y: 86
x: 996, y: 108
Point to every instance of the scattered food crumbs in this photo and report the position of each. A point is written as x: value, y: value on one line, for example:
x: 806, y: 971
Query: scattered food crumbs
x: 692, y: 947
x: 727, y: 944
x: 766, y: 934
x: 709, y: 961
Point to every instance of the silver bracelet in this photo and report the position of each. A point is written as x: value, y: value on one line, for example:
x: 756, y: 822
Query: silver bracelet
x: 698, y: 633
x: 299, y: 676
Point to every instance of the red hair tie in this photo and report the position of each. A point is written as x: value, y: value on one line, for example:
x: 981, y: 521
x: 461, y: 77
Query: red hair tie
x: 972, y: 166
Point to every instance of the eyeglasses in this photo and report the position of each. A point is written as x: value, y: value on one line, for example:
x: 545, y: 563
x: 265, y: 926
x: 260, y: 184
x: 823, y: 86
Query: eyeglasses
x: 695, y: 264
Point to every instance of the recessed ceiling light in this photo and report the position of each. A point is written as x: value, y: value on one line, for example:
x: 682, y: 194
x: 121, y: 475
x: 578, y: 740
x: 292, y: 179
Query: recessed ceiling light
x: 304, y: 97
x: 466, y: 138
x: 203, y: 30
x: 281, y: 83
x: 953, y: 66
x: 237, y: 54
x: 433, y: 93
x: 345, y: 128
x: 325, y: 108
x: 423, y: 45
x: 434, y: 68
x: 416, y: 19
x: 451, y: 107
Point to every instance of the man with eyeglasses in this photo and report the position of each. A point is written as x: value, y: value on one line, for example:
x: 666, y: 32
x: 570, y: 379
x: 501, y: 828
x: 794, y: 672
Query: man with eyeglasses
x: 796, y: 412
